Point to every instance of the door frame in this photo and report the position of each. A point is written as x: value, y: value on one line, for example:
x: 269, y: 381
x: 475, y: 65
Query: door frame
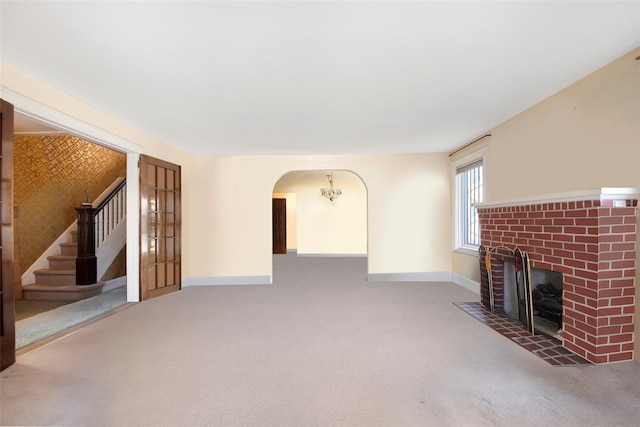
x: 8, y: 323
x: 88, y: 132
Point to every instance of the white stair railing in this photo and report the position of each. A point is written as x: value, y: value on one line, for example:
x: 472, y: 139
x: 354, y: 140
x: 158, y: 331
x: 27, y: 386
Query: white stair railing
x: 112, y: 214
x: 110, y: 225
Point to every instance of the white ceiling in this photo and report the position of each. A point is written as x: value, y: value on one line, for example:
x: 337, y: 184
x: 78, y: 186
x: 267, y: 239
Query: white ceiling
x: 309, y: 77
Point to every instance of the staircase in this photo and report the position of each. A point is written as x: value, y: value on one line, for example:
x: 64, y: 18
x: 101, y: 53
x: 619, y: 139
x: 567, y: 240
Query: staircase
x: 58, y: 282
x: 106, y: 232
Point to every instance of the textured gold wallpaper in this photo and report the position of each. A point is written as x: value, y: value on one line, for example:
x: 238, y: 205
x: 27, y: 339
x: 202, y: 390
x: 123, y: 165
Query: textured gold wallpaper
x: 51, y: 173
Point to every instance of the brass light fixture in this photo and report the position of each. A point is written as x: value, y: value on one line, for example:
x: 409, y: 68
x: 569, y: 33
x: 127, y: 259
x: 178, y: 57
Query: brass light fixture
x: 330, y: 193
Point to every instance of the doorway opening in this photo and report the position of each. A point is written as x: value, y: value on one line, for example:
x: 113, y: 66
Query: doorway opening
x: 310, y: 224
x: 112, y: 158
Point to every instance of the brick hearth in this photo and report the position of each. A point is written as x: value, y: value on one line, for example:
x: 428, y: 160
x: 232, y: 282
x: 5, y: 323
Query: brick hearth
x: 590, y: 237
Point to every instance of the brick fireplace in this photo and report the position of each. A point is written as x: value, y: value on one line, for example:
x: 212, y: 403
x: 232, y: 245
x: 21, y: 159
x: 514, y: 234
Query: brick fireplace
x: 589, y: 237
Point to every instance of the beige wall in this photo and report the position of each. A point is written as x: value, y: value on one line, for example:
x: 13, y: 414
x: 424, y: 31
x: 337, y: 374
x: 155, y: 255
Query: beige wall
x: 585, y: 136
x: 409, y: 224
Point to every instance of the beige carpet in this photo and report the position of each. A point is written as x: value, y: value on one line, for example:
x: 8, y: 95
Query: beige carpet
x: 28, y: 308
x: 318, y: 347
x: 43, y: 325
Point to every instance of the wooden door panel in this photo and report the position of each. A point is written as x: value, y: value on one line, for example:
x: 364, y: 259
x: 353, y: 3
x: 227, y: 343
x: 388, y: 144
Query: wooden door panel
x: 7, y: 306
x: 279, y: 218
x: 160, y: 220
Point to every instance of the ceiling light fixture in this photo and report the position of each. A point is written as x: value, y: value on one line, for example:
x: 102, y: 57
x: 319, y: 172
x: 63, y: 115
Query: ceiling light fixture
x: 330, y: 193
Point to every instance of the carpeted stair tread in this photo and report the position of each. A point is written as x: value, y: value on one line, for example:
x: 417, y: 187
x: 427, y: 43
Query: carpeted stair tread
x: 50, y: 271
x: 39, y: 287
x: 62, y: 262
x: 69, y: 248
x: 48, y: 276
x: 61, y: 292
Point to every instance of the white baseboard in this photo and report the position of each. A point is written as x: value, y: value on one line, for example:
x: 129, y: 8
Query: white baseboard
x: 435, y: 276
x: 465, y: 282
x: 334, y: 255
x: 226, y: 280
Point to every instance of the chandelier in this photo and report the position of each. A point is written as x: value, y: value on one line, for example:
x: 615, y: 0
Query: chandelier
x: 330, y: 193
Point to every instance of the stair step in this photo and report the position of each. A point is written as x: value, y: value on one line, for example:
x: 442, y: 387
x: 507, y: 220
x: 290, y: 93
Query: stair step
x: 61, y: 293
x: 69, y: 248
x: 62, y: 262
x: 51, y: 277
x: 74, y: 236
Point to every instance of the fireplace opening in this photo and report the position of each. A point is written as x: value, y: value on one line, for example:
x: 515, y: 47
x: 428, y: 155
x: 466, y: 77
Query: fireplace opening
x: 545, y: 299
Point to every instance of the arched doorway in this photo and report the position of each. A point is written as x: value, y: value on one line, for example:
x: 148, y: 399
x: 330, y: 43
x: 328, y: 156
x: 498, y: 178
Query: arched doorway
x: 318, y: 226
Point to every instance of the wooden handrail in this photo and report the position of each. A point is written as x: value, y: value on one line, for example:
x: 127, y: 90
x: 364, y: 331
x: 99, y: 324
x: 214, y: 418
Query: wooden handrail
x: 117, y: 186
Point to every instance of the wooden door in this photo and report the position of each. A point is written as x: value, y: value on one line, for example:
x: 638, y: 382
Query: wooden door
x: 160, y: 227
x: 7, y: 307
x: 279, y: 219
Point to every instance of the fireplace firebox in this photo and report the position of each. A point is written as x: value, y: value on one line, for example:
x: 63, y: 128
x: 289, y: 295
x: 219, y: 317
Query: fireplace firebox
x: 546, y: 298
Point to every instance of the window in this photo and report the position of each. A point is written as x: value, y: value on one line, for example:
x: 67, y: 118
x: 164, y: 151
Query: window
x: 468, y: 190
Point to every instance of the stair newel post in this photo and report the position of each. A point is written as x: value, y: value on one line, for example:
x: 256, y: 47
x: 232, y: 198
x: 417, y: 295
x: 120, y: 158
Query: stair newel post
x: 87, y: 262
